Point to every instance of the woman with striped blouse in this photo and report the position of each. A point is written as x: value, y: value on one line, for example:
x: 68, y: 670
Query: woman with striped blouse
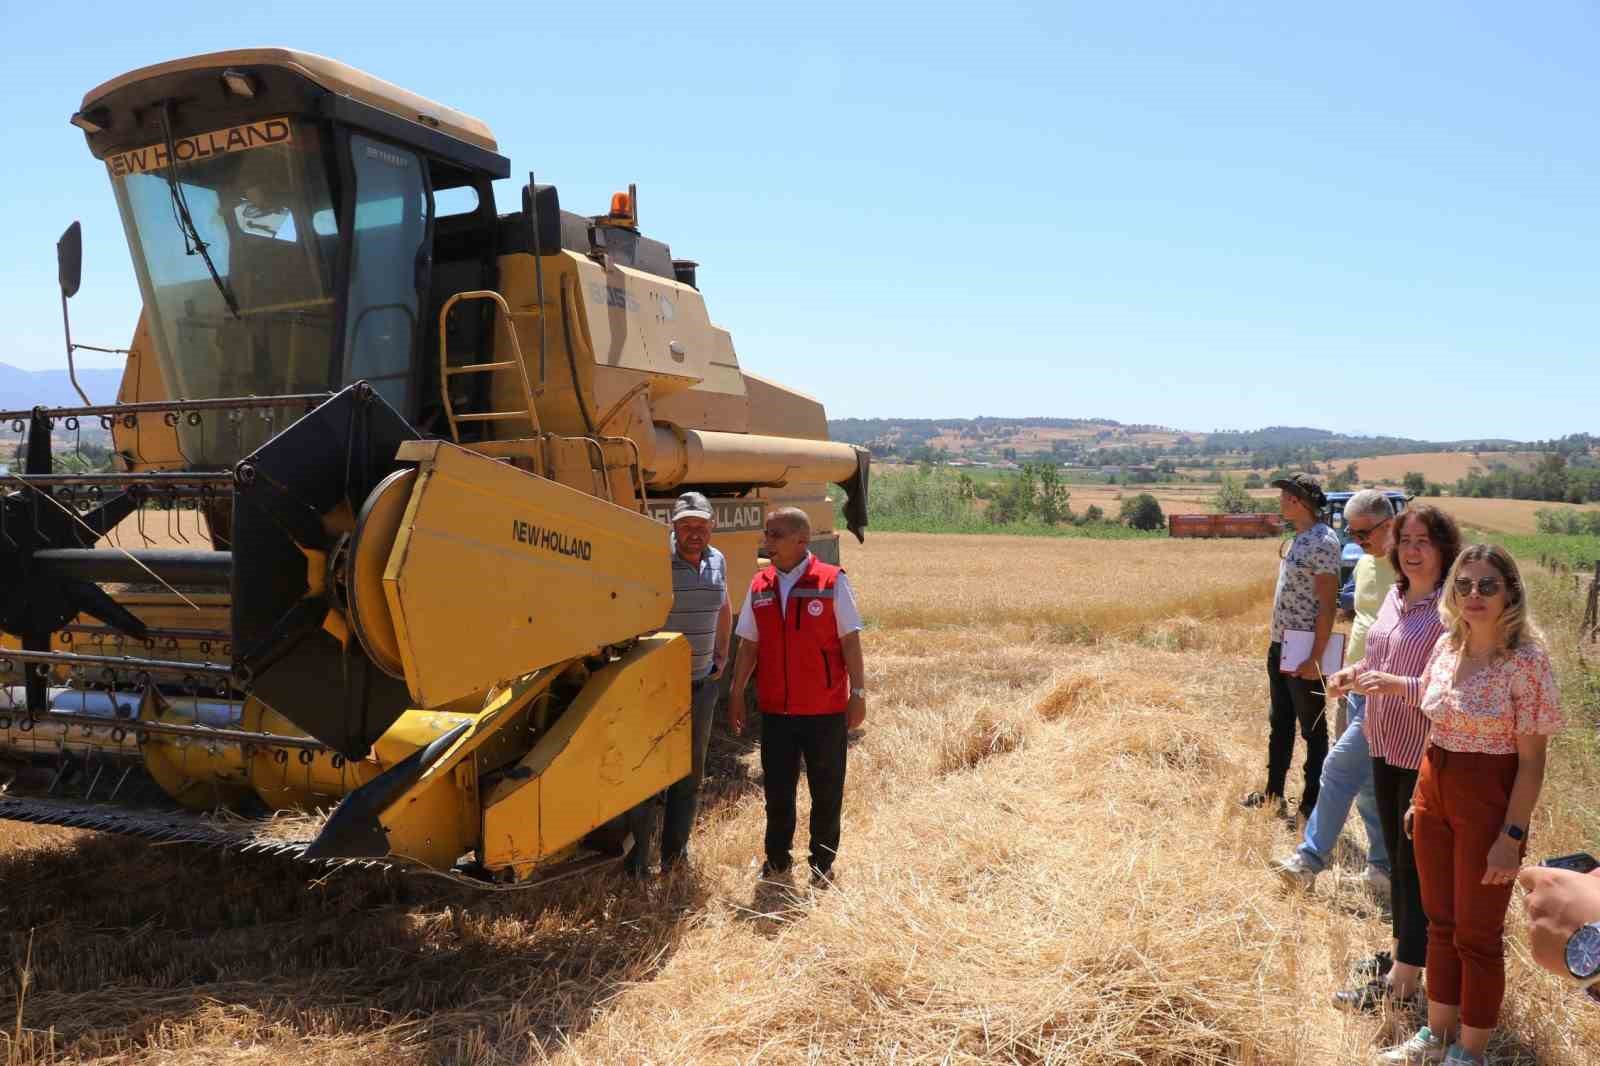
x: 1426, y: 544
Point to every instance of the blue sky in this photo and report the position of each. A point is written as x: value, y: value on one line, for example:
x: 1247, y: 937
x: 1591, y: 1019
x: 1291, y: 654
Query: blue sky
x: 1375, y: 218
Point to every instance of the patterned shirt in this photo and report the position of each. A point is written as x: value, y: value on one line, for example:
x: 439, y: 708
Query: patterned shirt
x: 1514, y: 695
x: 1399, y: 643
x: 1295, y: 604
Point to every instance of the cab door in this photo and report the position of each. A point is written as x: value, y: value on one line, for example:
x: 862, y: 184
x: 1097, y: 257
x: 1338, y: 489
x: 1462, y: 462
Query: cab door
x: 391, y: 218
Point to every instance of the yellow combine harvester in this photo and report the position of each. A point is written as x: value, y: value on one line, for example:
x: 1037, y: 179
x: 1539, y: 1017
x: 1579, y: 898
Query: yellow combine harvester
x: 432, y: 444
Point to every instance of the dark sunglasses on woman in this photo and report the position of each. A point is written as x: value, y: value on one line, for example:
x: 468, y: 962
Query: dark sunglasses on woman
x: 1487, y: 586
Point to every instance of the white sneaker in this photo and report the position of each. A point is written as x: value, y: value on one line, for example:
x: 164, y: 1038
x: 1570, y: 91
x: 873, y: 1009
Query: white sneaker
x: 1296, y: 872
x: 1423, y: 1047
x: 1377, y: 882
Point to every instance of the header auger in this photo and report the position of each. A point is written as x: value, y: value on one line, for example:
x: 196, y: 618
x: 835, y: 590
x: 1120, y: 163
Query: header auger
x: 423, y: 453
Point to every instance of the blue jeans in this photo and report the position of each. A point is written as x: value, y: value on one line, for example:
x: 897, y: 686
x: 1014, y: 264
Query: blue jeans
x: 1346, y: 776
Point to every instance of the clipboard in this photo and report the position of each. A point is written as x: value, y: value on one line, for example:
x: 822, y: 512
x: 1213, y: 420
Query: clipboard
x: 1297, y: 649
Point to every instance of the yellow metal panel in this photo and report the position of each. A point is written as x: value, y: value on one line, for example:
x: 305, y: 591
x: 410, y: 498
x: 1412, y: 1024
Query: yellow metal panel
x: 436, y: 822
x: 152, y: 444
x: 779, y: 411
x: 497, y: 573
x: 438, y: 819
x: 624, y: 738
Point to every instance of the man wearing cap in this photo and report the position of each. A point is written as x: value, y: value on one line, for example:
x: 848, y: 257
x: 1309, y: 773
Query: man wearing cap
x: 1308, y: 584
x: 702, y: 613
x: 800, y: 635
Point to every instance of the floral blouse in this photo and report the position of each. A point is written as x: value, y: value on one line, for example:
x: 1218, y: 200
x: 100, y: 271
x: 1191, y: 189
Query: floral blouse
x: 1515, y: 694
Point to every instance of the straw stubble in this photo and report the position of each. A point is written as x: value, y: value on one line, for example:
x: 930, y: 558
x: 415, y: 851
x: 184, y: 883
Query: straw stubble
x: 1043, y: 862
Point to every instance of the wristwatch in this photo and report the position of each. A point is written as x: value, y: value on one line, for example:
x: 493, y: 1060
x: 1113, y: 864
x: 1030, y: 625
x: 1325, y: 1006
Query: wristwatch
x: 858, y: 693
x: 1583, y: 954
x: 1515, y: 832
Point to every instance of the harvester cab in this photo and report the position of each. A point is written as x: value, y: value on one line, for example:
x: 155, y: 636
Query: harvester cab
x: 431, y: 445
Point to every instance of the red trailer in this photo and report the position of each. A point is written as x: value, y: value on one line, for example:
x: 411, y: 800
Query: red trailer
x: 1225, y: 525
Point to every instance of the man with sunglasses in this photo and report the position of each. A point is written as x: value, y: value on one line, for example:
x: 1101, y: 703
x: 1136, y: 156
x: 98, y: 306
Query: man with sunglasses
x: 800, y: 635
x: 1308, y: 584
x: 1347, y: 771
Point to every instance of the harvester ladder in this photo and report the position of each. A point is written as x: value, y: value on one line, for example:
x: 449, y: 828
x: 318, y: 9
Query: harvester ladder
x: 446, y: 371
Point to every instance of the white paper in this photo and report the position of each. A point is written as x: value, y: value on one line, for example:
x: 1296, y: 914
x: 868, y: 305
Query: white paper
x: 1297, y: 649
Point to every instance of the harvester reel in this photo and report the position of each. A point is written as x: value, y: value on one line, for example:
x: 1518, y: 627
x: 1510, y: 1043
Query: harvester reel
x: 294, y: 499
x: 34, y: 603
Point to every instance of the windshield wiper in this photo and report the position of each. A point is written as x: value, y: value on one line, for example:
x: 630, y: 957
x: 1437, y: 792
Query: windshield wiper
x: 193, y: 243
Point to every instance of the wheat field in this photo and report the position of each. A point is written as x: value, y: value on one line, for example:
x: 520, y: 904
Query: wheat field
x: 1444, y: 467
x: 1043, y: 862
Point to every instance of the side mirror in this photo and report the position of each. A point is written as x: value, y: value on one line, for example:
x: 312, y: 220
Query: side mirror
x: 69, y: 259
x: 543, y: 210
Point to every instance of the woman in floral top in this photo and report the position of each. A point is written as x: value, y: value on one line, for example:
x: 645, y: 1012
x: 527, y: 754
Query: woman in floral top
x: 1490, y: 695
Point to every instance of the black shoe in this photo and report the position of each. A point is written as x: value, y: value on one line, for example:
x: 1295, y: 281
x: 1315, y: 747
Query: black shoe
x: 1257, y: 800
x: 1376, y: 965
x: 1373, y: 997
x: 822, y: 877
x: 770, y: 871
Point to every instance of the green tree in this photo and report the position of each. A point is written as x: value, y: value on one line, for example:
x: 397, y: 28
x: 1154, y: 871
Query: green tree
x: 1050, y: 496
x: 1143, y: 512
x: 1344, y: 480
x: 1231, y: 498
x: 1253, y: 480
x: 1415, y: 483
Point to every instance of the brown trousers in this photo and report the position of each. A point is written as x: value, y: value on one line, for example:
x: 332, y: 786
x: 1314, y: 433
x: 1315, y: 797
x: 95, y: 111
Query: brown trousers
x: 1461, y: 803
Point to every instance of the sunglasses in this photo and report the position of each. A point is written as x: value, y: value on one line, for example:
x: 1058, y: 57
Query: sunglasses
x: 1486, y: 586
x: 1363, y: 534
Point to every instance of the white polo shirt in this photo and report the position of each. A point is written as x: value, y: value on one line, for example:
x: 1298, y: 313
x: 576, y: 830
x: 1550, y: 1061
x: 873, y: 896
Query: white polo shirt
x: 845, y: 614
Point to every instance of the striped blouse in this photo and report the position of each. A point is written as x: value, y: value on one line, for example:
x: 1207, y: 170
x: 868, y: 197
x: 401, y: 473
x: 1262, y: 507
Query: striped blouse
x: 1399, y: 643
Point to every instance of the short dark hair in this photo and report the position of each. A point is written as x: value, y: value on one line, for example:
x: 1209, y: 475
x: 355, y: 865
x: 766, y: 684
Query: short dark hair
x: 1442, y: 532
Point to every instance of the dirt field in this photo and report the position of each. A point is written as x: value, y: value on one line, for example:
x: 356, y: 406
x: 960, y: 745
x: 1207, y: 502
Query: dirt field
x: 1043, y: 862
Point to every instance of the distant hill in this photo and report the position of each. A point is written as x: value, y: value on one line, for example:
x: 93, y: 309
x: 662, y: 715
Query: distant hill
x: 1104, y: 441
x: 20, y: 389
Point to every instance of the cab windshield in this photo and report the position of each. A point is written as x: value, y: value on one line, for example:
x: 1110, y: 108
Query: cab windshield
x: 260, y: 202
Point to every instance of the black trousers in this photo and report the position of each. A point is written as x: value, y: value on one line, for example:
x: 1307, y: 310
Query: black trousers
x: 820, y: 741
x: 1394, y: 785
x: 1295, y: 702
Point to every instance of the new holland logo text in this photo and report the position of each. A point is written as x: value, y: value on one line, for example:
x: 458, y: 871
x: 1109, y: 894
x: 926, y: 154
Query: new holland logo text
x: 261, y: 134
x: 550, y: 540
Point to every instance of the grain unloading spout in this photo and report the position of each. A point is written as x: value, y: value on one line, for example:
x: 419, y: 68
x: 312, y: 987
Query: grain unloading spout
x: 701, y: 457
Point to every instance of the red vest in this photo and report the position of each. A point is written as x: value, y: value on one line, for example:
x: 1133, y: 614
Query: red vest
x: 799, y: 659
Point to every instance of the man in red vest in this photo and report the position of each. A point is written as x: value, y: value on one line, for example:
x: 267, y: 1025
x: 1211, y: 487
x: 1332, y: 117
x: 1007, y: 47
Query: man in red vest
x: 800, y: 635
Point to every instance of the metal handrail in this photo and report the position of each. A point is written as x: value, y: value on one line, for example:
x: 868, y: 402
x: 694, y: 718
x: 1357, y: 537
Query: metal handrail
x: 446, y: 371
